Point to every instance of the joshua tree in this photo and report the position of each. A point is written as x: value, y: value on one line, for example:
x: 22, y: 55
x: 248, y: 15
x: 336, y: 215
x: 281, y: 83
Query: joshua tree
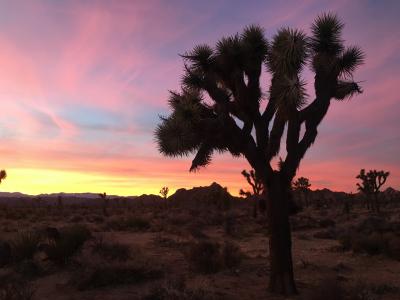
x: 103, y: 196
x: 257, y: 187
x: 60, y: 202
x: 370, y: 185
x: 164, y: 192
x: 302, y: 185
x: 219, y: 109
x: 255, y: 183
x: 3, y: 175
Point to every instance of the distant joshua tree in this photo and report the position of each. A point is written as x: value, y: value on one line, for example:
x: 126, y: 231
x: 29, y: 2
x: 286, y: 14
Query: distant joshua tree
x: 164, y: 192
x: 60, y: 202
x: 219, y: 110
x: 3, y: 175
x: 257, y: 187
x: 103, y: 196
x: 370, y: 185
x: 255, y: 183
x: 302, y: 184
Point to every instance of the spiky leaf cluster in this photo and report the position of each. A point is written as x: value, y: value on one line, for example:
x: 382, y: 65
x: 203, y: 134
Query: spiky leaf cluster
x: 3, y: 175
x: 232, y: 119
x: 331, y: 58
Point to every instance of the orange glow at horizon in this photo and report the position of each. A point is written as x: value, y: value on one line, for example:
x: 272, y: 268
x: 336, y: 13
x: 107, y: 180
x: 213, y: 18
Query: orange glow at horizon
x: 82, y: 84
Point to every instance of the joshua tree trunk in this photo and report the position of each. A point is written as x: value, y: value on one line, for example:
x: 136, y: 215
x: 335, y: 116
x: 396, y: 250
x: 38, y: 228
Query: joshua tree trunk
x: 376, y: 203
x: 280, y: 244
x: 255, y: 207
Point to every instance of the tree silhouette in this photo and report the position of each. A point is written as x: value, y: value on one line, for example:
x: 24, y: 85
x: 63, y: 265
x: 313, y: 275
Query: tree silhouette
x: 219, y: 109
x: 255, y: 183
x: 371, y: 184
x: 302, y: 185
x: 103, y: 196
x: 3, y: 175
x: 257, y: 190
x: 164, y: 192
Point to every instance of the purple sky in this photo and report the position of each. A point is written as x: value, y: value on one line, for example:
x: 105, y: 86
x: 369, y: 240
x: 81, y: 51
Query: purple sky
x: 82, y: 84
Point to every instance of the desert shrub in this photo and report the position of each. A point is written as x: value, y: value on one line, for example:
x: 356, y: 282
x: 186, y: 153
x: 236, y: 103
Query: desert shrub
x: 328, y: 289
x: 229, y: 224
x: 76, y: 218
x: 204, y: 256
x: 28, y: 269
x: 373, y: 244
x: 209, y: 257
x: 329, y: 234
x: 137, y: 223
x: 326, y: 223
x: 301, y: 222
x: 105, y: 274
x: 111, y: 250
x: 70, y: 241
x: 134, y: 223
x: 393, y: 246
x: 96, y: 219
x: 24, y: 246
x: 5, y: 253
x: 197, y: 233
x: 12, y: 288
x: 180, y: 219
x: 232, y: 255
x: 178, y: 290
x: 373, y: 224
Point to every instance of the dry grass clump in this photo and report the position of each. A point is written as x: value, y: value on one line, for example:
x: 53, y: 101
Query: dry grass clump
x: 328, y: 289
x: 178, y: 290
x: 15, y: 288
x: 210, y: 257
x: 128, y: 223
x: 24, y: 246
x: 60, y: 250
x: 111, y: 250
x: 373, y: 244
x: 97, y: 273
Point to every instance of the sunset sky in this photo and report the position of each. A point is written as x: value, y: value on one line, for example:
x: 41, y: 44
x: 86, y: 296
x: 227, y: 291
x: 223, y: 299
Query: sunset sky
x: 82, y: 84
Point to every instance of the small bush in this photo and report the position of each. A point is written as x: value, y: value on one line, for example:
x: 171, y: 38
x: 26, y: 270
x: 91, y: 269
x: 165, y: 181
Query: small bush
x: 71, y: 240
x: 105, y: 274
x: 326, y: 223
x: 28, y: 269
x: 204, y: 257
x: 393, y: 246
x: 110, y: 250
x: 128, y: 223
x: 373, y: 244
x: 329, y: 234
x: 209, y: 257
x: 137, y: 223
x: 24, y: 246
x: 232, y: 255
x: 5, y: 253
x: 15, y: 289
x: 178, y: 290
x: 230, y: 225
x: 328, y: 289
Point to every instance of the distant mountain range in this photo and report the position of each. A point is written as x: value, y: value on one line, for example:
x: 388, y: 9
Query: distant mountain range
x: 180, y: 194
x: 56, y: 195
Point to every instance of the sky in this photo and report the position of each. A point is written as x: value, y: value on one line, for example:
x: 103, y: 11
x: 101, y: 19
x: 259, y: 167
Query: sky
x: 82, y: 85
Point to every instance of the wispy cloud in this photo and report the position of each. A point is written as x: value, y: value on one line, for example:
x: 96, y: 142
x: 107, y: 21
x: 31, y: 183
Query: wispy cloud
x: 82, y: 85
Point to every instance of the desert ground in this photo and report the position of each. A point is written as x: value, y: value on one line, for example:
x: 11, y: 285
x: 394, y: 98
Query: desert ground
x: 197, y: 244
